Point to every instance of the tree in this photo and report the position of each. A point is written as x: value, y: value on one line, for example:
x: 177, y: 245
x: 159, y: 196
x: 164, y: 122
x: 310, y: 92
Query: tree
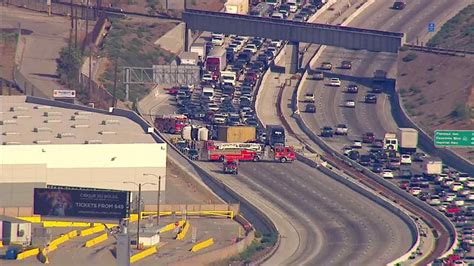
x: 69, y: 66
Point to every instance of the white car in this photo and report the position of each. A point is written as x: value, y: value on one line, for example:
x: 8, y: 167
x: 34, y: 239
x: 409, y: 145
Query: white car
x: 470, y: 197
x: 336, y: 82
x: 251, y: 47
x: 415, y: 191
x: 441, y: 177
x: 350, y: 104
x: 405, y: 159
x: 459, y: 202
x: 347, y: 150
x: 357, y: 144
x: 469, y: 183
x: 449, y: 197
x: 387, y: 173
x: 218, y: 40
x: 434, y: 200
x: 276, y: 43
x: 273, y: 50
x: 207, y: 77
x: 456, y: 186
x: 462, y: 177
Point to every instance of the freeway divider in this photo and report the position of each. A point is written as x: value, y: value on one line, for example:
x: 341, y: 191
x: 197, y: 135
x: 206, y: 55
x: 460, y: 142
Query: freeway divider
x: 96, y: 240
x: 92, y: 230
x: 143, y: 254
x: 182, y: 234
x: 25, y: 254
x: 203, y: 244
x: 227, y: 214
x: 31, y: 219
x: 64, y: 224
x: 172, y: 226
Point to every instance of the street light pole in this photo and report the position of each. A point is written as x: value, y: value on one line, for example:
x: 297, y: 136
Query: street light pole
x: 139, y: 207
x: 158, y: 198
x: 139, y: 214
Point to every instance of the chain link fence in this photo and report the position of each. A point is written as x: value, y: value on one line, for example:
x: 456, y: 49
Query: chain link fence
x: 81, y: 11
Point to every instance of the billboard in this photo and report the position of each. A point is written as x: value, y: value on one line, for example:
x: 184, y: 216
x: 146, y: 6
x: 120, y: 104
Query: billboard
x: 87, y: 203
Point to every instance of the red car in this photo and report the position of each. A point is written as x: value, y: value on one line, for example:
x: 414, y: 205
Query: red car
x: 172, y: 91
x: 368, y: 137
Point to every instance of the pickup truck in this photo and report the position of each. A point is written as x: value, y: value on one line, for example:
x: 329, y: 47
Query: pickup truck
x: 341, y: 129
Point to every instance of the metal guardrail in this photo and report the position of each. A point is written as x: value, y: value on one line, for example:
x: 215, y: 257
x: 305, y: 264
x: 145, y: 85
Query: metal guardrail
x: 438, y: 50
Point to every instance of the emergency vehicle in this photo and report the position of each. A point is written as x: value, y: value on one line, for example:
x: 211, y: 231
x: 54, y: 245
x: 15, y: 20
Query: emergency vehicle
x: 172, y: 124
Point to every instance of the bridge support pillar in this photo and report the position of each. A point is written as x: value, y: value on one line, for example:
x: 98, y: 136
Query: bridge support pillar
x: 186, y: 35
x: 291, y: 57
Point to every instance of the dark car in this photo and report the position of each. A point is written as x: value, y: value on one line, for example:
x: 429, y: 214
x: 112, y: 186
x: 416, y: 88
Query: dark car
x: 399, y: 5
x: 346, y: 65
x: 327, y: 132
x: 353, y: 155
x: 318, y: 75
x: 364, y: 160
x: 368, y: 137
x: 377, y: 89
x: 269, y: 54
x: 406, y: 173
x: 377, y: 168
x: 193, y: 154
x: 352, y: 88
x: 244, y: 56
x: 310, y: 108
x: 371, y: 98
x: 285, y: 10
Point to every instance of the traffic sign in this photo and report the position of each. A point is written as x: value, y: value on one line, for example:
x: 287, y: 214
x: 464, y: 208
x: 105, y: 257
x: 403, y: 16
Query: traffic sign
x: 454, y: 138
x: 431, y: 27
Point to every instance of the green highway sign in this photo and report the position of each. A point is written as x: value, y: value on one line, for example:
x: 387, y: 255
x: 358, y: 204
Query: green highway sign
x: 454, y: 138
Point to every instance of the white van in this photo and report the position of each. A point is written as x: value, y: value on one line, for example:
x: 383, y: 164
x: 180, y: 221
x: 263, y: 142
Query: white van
x: 218, y: 39
x: 229, y: 77
x: 277, y: 15
x: 207, y: 93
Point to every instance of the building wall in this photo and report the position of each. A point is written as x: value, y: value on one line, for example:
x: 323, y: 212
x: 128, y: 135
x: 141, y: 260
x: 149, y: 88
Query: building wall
x: 99, y: 165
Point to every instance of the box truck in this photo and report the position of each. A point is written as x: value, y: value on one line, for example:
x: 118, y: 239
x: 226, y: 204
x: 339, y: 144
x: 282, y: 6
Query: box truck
x: 432, y: 166
x: 408, y: 140
x: 200, y: 49
x: 216, y: 61
x: 237, y: 7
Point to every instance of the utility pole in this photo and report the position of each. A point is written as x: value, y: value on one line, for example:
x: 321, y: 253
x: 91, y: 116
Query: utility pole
x: 75, y: 29
x: 115, y: 81
x: 158, y: 198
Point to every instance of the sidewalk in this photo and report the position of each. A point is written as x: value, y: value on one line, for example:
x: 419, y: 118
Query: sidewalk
x: 44, y: 36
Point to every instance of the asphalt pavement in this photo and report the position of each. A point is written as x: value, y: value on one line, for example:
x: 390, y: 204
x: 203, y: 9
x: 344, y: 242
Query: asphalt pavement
x: 45, y: 36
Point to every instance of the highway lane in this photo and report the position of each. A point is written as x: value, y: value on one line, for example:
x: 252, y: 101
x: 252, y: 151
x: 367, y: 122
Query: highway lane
x: 339, y: 213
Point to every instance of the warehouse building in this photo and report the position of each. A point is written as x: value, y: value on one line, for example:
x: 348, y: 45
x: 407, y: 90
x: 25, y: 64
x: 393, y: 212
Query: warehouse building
x: 46, y: 142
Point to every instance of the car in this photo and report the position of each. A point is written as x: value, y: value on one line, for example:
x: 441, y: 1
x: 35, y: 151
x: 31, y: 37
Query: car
x: 387, y: 173
x: 327, y: 132
x: 376, y: 89
x: 326, y: 66
x: 418, y: 157
x: 456, y: 186
x: 352, y: 88
x: 347, y: 149
x: 405, y: 159
x: 276, y: 43
x: 350, y: 104
x: 299, y: 18
x: 415, y: 191
x: 399, y: 5
x: 341, y: 129
x: 318, y: 75
x: 357, y: 144
x: 377, y: 168
x: 252, y: 47
x: 309, y: 98
x: 434, y: 200
x: 346, y: 65
x: 353, y: 155
x: 193, y: 154
x: 336, y: 82
x: 406, y: 174
x: 310, y: 108
x: 364, y: 160
x: 371, y: 98
x: 368, y: 137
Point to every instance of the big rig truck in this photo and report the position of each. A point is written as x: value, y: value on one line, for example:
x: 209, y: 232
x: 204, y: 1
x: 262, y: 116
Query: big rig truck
x: 216, y: 62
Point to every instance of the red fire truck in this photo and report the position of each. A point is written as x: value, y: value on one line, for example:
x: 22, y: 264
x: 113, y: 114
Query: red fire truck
x: 230, y: 152
x: 171, y: 123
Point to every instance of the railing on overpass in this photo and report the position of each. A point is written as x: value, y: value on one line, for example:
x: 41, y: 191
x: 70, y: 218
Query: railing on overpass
x: 290, y: 22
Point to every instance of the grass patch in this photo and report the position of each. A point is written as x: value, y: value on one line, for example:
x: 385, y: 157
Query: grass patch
x: 422, y: 100
x: 461, y: 112
x: 127, y: 43
x: 404, y: 48
x: 260, y: 243
x: 414, y: 90
x: 457, y: 32
x: 409, y: 57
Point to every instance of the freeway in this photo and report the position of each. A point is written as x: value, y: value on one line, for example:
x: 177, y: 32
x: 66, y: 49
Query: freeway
x: 332, y: 219
x: 376, y: 118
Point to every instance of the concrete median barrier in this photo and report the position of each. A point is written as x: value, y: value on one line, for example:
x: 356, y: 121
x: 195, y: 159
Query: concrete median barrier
x: 96, y: 240
x: 143, y: 254
x: 29, y: 253
x: 182, y: 234
x: 202, y: 245
x: 172, y: 226
x: 93, y: 230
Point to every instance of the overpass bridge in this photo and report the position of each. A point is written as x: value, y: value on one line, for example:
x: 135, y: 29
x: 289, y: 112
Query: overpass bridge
x: 292, y: 31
